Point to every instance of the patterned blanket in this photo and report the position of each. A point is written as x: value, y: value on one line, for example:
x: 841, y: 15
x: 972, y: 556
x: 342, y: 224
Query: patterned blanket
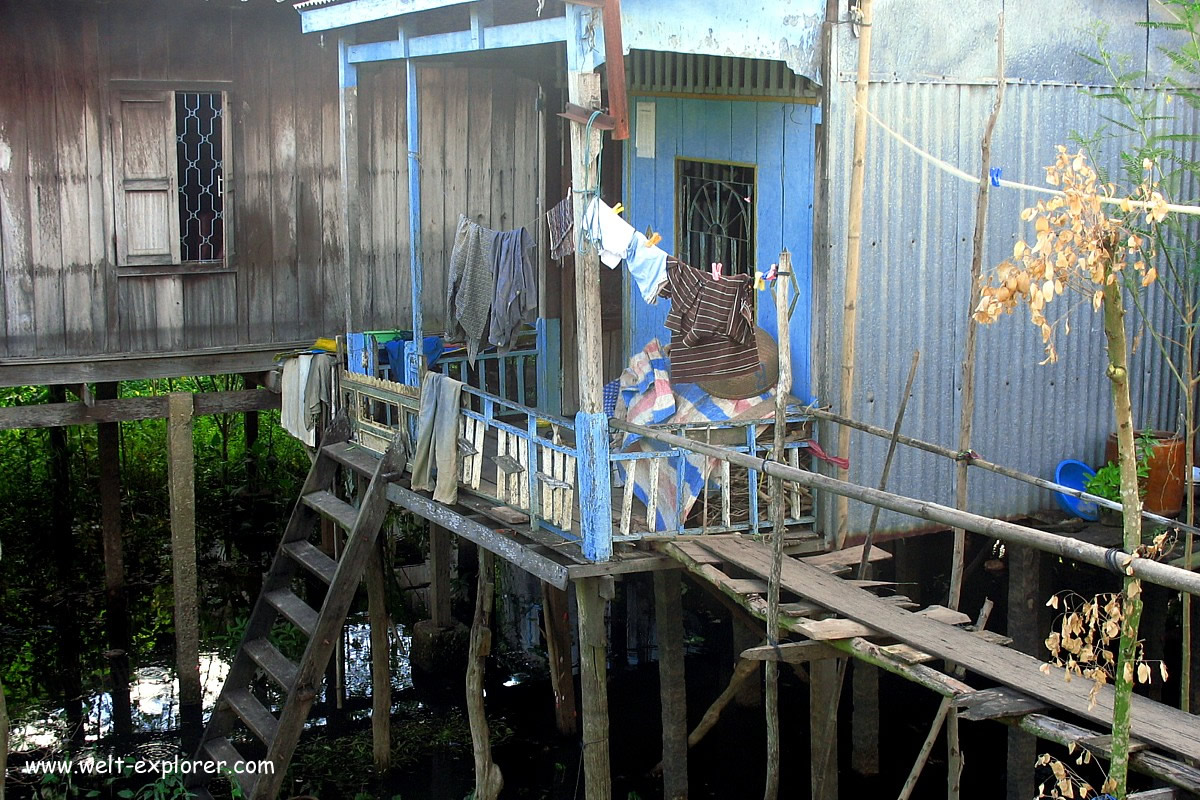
x: 647, y: 397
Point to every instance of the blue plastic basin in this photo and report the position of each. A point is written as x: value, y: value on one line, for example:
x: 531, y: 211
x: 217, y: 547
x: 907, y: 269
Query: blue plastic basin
x: 1074, y: 475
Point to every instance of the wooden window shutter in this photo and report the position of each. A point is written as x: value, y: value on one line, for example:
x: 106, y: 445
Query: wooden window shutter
x: 146, y: 178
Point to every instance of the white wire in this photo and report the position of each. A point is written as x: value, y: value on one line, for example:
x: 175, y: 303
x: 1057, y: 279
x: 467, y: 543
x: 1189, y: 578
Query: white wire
x: 958, y: 173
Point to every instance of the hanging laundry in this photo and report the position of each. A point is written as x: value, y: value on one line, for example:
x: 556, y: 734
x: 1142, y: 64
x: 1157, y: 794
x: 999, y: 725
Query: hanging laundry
x: 647, y: 265
x: 711, y: 323
x: 515, y: 300
x: 561, y: 222
x: 470, y: 287
x: 437, y: 438
x: 306, y: 388
x: 612, y: 235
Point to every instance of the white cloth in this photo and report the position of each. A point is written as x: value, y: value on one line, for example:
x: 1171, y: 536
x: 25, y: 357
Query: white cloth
x: 293, y: 410
x: 648, y: 266
x: 605, y: 228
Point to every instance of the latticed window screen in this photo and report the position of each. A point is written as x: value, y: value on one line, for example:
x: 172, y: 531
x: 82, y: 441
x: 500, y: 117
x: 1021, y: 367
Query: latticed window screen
x: 198, y: 129
x: 715, y: 204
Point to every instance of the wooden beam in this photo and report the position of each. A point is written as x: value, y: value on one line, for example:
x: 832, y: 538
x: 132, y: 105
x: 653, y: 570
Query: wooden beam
x: 824, y: 678
x: 614, y: 59
x: 791, y: 652
x: 558, y: 653
x: 107, y: 367
x: 348, y: 160
x: 181, y: 477
x: 83, y: 392
x: 593, y: 671
x: 668, y: 614
x: 129, y: 409
x: 381, y: 672
x: 493, y: 37
x: 488, y: 779
x: 323, y: 18
x: 116, y: 608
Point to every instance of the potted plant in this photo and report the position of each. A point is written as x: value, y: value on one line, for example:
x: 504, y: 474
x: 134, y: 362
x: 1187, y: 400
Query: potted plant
x: 1106, y: 483
x: 1163, y: 485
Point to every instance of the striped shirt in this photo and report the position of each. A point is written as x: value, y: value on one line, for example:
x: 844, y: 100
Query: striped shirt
x: 711, y: 323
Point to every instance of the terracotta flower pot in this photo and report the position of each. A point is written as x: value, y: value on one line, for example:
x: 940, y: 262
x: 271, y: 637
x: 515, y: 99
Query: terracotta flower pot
x: 1164, y: 486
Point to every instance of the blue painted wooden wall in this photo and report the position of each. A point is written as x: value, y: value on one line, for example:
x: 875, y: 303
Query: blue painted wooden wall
x: 777, y: 138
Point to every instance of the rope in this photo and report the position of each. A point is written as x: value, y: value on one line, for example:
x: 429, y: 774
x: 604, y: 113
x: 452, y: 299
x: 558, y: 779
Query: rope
x: 587, y: 195
x: 997, y: 181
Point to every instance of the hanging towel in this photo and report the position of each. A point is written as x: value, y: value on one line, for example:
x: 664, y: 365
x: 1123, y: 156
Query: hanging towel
x: 318, y: 390
x: 471, y: 285
x: 611, y: 234
x: 648, y: 266
x: 293, y: 408
x: 515, y: 299
x: 437, y: 438
x: 561, y: 222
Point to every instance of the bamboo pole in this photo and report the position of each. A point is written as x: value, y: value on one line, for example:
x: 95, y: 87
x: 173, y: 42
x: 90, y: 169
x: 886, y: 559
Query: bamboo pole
x: 488, y: 779
x: 1063, y: 546
x: 967, y: 413
x: 853, y: 254
x: 1189, y: 459
x: 779, y: 514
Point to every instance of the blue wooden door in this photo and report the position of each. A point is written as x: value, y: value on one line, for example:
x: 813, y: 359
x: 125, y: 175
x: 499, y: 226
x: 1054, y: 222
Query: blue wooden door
x: 778, y: 139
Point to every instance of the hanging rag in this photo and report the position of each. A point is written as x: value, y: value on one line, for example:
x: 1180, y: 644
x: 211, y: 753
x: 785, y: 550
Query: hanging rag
x: 293, y: 408
x: 561, y: 222
x: 431, y: 347
x: 437, y: 438
x: 605, y: 228
x: 711, y: 323
x: 318, y: 389
x: 471, y: 284
x: 647, y: 266
x: 515, y: 299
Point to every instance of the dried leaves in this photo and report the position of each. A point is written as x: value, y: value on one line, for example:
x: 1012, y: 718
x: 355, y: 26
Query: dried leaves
x: 1077, y: 246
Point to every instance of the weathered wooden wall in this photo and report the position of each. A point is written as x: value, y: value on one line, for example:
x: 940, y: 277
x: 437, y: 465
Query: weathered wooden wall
x: 283, y: 277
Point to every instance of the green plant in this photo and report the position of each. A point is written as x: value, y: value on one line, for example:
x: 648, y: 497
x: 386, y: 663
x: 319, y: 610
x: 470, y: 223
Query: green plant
x: 1106, y: 482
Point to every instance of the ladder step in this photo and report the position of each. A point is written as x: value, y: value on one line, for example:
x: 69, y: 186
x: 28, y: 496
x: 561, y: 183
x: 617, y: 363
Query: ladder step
x: 221, y: 749
x: 297, y: 612
x: 261, y: 722
x: 359, y: 459
x: 278, y: 667
x: 330, y: 506
x: 311, y: 558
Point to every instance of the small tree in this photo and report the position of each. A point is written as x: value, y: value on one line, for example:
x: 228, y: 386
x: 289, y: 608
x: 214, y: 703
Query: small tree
x: 1081, y: 249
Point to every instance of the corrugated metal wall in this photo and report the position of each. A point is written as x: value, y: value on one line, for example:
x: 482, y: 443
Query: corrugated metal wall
x: 915, y: 293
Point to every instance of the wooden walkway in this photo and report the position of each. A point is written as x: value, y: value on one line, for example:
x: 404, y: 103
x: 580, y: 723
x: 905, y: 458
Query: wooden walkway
x: 858, y: 612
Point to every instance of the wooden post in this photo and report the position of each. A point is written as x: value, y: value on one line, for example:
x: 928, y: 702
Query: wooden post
x: 853, y: 257
x: 381, y: 672
x: 1024, y: 602
x: 440, y: 553
x: 593, y: 677
x: 824, y: 680
x: 348, y: 158
x: 4, y: 726
x: 744, y: 637
x: 181, y: 477
x: 591, y: 423
x: 668, y: 615
x: 63, y: 538
x: 488, y: 780
x: 558, y: 653
x: 864, y: 684
x: 116, y: 606
x: 250, y: 439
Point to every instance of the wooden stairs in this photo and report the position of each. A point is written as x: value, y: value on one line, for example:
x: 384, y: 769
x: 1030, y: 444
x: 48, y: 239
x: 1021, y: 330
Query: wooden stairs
x: 295, y: 559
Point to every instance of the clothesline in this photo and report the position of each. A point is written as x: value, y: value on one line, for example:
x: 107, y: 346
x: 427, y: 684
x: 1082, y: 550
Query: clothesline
x: 975, y: 179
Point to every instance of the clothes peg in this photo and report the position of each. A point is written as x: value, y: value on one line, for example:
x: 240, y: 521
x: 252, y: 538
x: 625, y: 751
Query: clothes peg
x: 759, y: 283
x: 652, y: 237
x: 618, y: 208
x: 717, y: 267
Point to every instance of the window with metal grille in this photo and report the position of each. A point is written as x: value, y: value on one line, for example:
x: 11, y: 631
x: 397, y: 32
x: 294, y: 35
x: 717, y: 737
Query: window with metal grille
x: 198, y: 132
x: 715, y: 214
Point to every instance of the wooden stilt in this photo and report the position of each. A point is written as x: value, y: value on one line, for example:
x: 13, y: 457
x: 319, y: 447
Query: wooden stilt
x: 182, y: 490
x: 743, y: 670
x: 440, y: 552
x: 488, y: 780
x: 593, y: 674
x: 1024, y: 601
x: 750, y: 694
x: 62, y: 533
x: 250, y: 438
x: 824, y: 679
x: 864, y: 683
x: 4, y: 726
x: 558, y: 653
x: 381, y: 673
x: 116, y: 609
x: 668, y: 614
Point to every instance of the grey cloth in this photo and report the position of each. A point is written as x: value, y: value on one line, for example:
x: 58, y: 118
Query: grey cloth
x: 515, y: 300
x: 318, y: 388
x: 470, y: 288
x: 437, y: 438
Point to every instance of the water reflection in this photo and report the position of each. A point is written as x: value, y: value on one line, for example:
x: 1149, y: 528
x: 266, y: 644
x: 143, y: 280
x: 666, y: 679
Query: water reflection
x: 154, y: 692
